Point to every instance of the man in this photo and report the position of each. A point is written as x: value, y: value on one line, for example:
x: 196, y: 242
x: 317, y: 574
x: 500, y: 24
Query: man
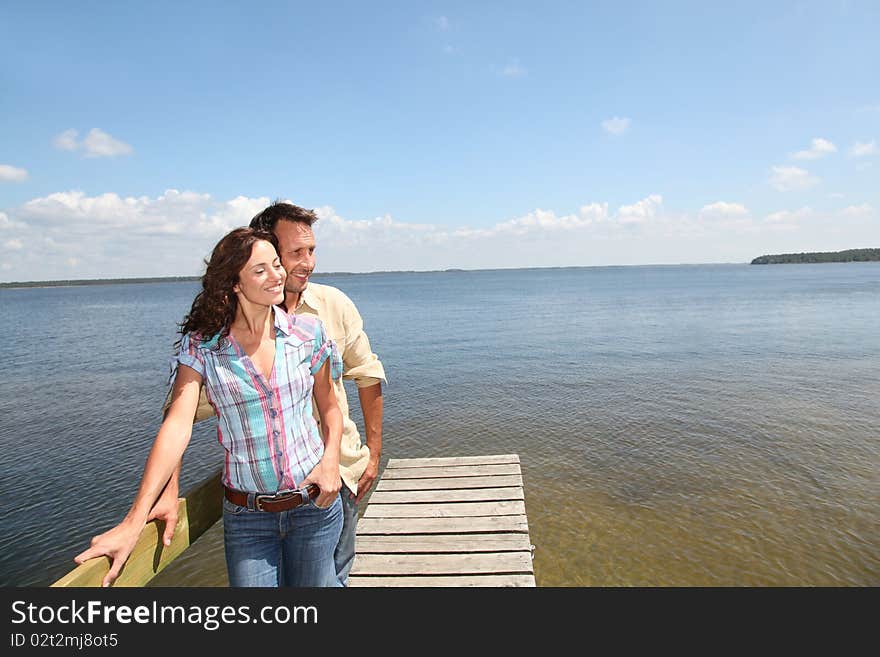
x: 358, y: 462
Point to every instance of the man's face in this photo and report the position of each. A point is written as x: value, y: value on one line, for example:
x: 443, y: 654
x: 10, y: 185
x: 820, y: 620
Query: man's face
x: 296, y: 246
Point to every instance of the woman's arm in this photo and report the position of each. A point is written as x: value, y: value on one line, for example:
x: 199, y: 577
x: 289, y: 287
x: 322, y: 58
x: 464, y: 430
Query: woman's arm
x: 168, y: 448
x: 326, y: 473
x: 165, y: 508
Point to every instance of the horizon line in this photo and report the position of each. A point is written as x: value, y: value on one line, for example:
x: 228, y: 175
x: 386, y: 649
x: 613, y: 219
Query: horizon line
x: 58, y: 282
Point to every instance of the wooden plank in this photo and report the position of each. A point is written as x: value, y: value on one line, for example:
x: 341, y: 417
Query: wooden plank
x: 445, y: 580
x: 443, y: 543
x: 443, y: 564
x: 452, y: 471
x: 200, y: 509
x: 469, y: 483
x: 477, y: 525
x: 430, y: 522
x: 445, y: 510
x: 453, y: 460
x: 444, y: 495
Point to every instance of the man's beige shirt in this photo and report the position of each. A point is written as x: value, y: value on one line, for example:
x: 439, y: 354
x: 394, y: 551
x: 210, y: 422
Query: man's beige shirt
x: 344, y: 325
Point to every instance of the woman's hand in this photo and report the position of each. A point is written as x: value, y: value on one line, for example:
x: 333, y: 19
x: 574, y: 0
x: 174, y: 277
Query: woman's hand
x: 328, y: 480
x: 165, y: 455
x: 326, y: 473
x: 116, y: 543
x: 165, y: 508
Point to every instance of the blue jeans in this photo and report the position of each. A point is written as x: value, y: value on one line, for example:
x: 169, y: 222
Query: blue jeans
x: 285, y: 548
x: 344, y: 555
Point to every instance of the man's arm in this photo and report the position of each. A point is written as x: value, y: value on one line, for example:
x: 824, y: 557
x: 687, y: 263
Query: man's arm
x: 371, y: 406
x: 364, y: 367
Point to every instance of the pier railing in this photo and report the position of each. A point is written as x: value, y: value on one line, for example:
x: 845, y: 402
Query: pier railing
x: 198, y: 509
x: 451, y: 521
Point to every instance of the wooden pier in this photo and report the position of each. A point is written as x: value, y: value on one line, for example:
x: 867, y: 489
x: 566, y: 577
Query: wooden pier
x: 456, y: 521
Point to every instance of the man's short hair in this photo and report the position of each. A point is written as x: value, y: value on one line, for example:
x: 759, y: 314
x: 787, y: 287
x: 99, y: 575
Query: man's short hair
x: 280, y: 211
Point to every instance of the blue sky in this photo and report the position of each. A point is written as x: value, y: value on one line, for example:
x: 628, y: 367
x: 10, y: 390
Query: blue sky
x: 431, y: 135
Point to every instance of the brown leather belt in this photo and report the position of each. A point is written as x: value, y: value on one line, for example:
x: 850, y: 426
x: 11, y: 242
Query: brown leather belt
x: 272, y: 502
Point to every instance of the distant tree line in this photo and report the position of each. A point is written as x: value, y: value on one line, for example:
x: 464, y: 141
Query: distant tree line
x: 850, y: 255
x: 117, y: 281
x: 101, y: 281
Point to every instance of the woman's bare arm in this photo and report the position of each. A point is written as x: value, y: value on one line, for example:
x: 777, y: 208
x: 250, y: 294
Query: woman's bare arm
x: 168, y: 448
x: 326, y: 473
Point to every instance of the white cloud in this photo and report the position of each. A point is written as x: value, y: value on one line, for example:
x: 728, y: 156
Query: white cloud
x: 235, y: 212
x: 542, y: 220
x: 513, y: 70
x: 862, y: 149
x: 786, y: 179
x: 616, y: 125
x: 537, y: 221
x: 594, y: 212
x: 96, y: 144
x: 789, y: 216
x: 74, y: 216
x: 66, y: 141
x: 173, y: 213
x: 863, y: 210
x: 639, y: 233
x: 539, y: 238
x: 109, y: 236
x: 644, y: 210
x: 100, y: 144
x: 8, y: 224
x: 442, y: 23
x: 9, y: 173
x: 818, y: 148
x: 724, y: 210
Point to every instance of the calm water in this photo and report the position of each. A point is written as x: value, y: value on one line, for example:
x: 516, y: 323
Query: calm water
x: 691, y: 425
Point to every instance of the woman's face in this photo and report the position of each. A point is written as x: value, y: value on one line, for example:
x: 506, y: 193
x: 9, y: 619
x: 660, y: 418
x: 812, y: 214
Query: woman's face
x: 261, y: 280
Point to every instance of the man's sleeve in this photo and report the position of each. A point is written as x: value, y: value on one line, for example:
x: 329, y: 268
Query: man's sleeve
x: 359, y: 362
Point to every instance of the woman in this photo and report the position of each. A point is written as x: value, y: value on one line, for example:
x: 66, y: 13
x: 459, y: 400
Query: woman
x: 260, y: 366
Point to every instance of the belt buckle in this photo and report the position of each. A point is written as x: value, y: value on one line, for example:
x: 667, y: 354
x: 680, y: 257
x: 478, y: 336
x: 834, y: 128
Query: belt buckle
x: 258, y: 500
x: 275, y: 497
x: 305, y: 495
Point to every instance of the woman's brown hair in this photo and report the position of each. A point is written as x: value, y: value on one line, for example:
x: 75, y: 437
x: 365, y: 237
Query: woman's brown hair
x: 214, y: 307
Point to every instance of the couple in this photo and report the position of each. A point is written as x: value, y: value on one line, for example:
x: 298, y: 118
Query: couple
x: 258, y: 343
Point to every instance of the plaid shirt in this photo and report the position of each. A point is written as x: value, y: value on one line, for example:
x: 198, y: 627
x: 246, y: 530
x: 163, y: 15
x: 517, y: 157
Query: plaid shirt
x: 267, y: 427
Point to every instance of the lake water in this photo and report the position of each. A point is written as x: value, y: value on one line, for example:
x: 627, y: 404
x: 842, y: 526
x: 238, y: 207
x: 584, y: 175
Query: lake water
x: 712, y: 425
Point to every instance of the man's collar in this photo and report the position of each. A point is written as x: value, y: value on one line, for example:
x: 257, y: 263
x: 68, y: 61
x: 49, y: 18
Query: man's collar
x: 309, y: 298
